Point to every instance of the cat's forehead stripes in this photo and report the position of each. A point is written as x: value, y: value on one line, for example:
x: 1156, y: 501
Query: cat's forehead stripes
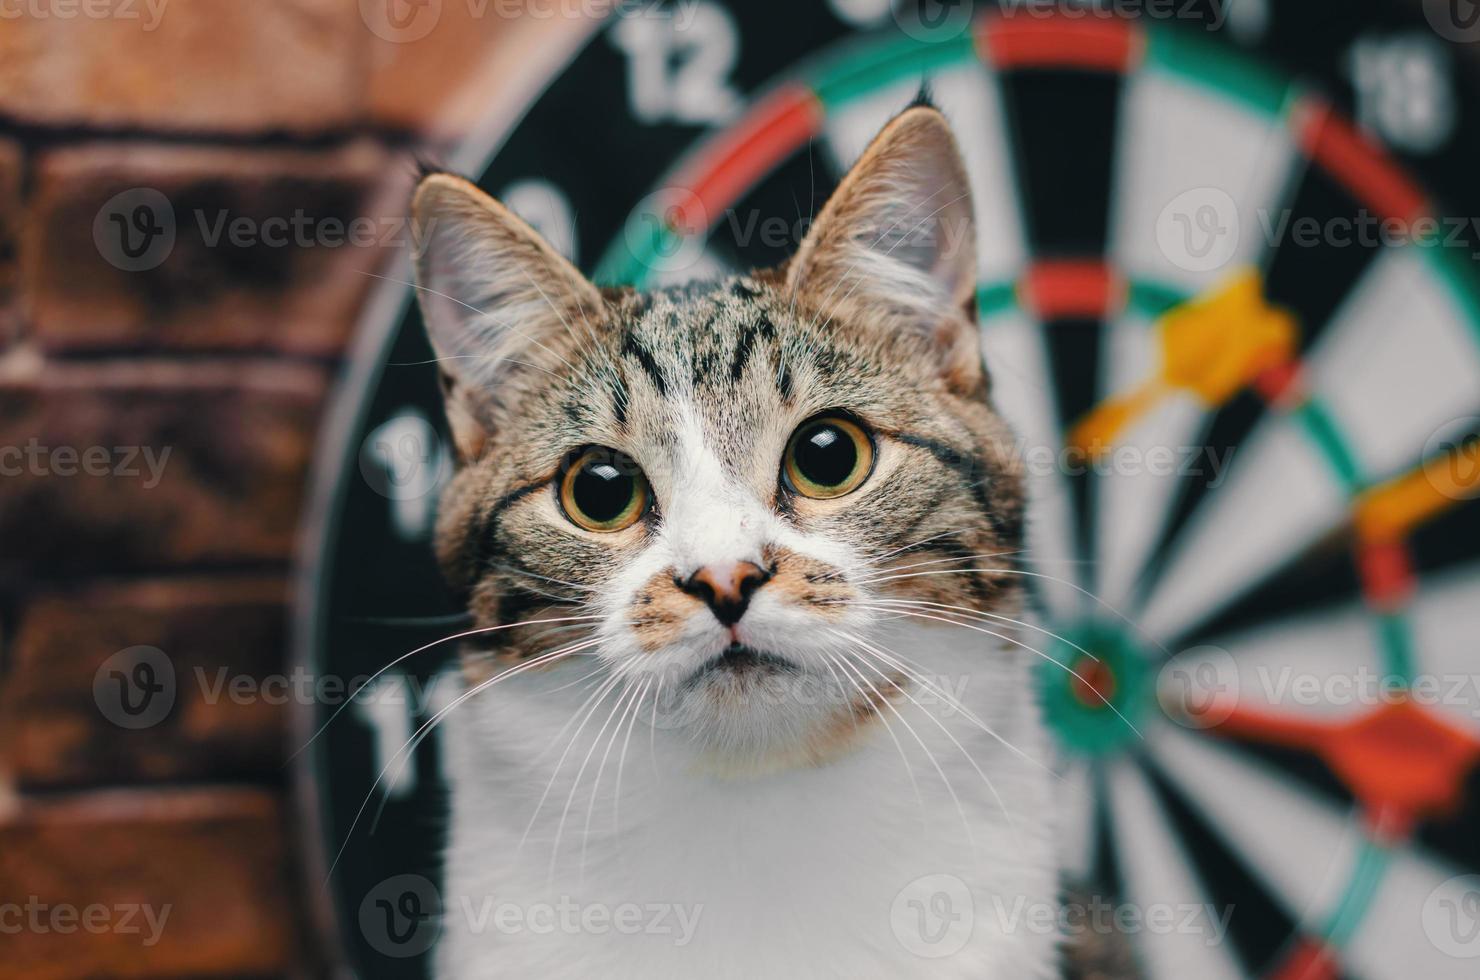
x: 690, y: 338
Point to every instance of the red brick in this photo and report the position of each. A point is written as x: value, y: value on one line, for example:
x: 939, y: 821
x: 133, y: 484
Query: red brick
x: 206, y: 291
x: 443, y: 84
x: 213, y: 66
x: 216, y: 858
x: 11, y: 161
x: 211, y: 630
x: 239, y: 439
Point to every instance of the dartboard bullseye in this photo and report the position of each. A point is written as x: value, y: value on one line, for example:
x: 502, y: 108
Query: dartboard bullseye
x: 1229, y: 302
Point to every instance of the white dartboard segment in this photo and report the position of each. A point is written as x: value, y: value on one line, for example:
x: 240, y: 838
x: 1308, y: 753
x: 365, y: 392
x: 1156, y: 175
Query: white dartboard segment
x: 1407, y: 920
x: 1398, y: 361
x: 1445, y: 619
x: 970, y: 99
x: 1185, y: 933
x: 1299, y: 845
x: 1304, y: 849
x: 1077, y: 810
x: 1198, y: 177
x: 1012, y: 347
x: 1322, y: 666
x: 1137, y: 485
x: 1278, y: 496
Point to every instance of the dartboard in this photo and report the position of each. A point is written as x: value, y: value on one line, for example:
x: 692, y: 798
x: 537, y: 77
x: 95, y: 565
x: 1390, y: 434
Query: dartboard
x: 1230, y: 308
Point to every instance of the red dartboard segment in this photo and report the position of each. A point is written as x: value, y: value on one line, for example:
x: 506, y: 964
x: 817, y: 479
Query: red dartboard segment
x: 1059, y: 288
x: 1311, y: 959
x: 1060, y: 40
x: 778, y: 126
x: 1388, y: 825
x: 1386, y: 572
x: 1400, y: 759
x: 1282, y: 386
x: 1357, y: 163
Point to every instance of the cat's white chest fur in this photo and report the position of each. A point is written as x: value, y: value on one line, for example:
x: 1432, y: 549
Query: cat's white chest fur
x: 863, y: 867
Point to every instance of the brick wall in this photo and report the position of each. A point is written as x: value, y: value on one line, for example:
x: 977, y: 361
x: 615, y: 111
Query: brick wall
x: 209, y: 364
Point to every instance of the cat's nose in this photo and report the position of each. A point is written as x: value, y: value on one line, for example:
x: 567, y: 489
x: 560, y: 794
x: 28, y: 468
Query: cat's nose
x: 726, y: 588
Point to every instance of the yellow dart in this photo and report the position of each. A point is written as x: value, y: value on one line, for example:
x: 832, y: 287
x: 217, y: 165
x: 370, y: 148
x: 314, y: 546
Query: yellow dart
x: 1211, y: 347
x: 1389, y: 511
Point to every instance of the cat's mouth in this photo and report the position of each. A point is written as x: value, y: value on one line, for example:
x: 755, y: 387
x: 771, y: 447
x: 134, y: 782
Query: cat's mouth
x: 740, y: 660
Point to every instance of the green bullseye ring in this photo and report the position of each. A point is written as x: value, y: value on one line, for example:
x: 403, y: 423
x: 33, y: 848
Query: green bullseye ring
x: 1094, y: 707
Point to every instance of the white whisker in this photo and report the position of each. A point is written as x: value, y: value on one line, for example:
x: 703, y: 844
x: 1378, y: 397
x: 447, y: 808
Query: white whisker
x: 1035, y: 652
x: 576, y: 783
x: 967, y: 610
x: 868, y: 648
x: 909, y: 767
x: 424, y: 647
x: 960, y: 810
x: 903, y: 664
x: 414, y: 740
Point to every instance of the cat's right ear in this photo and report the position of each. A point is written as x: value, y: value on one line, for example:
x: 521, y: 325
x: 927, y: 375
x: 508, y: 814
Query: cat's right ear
x: 496, y: 298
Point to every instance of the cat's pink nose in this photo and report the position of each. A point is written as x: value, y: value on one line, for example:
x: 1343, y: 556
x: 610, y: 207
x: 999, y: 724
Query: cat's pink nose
x: 726, y: 589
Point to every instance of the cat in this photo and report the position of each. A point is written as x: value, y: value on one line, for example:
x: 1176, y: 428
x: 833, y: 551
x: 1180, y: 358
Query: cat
x: 750, y: 698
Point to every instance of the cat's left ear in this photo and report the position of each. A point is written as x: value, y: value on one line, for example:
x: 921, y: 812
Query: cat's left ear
x: 895, y: 246
x: 497, y: 300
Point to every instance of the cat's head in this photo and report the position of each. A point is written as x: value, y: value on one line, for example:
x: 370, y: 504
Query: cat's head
x: 728, y: 479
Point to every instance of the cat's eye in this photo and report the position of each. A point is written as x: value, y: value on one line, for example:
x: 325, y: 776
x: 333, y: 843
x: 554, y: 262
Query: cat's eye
x: 827, y: 457
x: 604, y: 491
